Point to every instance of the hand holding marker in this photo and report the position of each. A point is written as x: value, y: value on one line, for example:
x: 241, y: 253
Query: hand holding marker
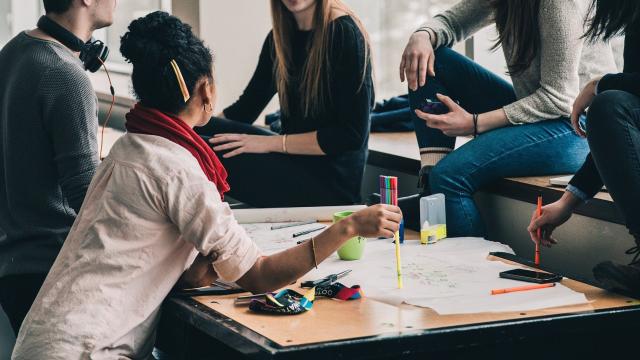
x: 389, y: 195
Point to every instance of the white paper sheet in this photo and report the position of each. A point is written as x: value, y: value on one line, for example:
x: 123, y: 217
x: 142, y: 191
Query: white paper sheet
x: 273, y: 241
x: 277, y: 215
x: 451, y: 277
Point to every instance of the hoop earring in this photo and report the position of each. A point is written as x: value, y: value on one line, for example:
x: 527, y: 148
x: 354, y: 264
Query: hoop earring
x: 210, y: 110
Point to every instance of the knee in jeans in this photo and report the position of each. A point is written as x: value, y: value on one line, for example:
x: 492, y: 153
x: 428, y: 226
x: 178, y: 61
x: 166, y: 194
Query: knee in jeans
x: 444, y: 178
x: 608, y: 109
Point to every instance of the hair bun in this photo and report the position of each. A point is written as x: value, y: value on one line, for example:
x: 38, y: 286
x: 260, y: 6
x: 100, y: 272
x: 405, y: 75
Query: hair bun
x: 153, y: 39
x: 150, y: 44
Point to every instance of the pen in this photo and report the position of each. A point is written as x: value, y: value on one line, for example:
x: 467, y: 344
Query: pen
x: 283, y: 226
x: 539, y: 213
x: 305, y: 232
x: 522, y: 288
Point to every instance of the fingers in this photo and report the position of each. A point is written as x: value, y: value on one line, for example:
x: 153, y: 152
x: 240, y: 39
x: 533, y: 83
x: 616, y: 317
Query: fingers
x: 228, y: 146
x: 224, y: 138
x: 402, y: 67
x: 533, y: 228
x: 423, y: 63
x: 575, y: 123
x: 433, y: 121
x: 432, y: 66
x: 233, y: 153
x: 447, y: 101
x: 395, y: 217
x: 547, y: 240
x: 413, y: 72
x: 390, y: 226
x: 387, y: 234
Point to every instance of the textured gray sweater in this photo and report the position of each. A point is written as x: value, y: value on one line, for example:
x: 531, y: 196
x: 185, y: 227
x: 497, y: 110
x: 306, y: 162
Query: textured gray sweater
x: 48, y: 150
x: 547, y: 89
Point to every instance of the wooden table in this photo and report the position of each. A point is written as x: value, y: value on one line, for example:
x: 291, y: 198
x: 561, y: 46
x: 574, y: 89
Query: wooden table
x: 212, y: 327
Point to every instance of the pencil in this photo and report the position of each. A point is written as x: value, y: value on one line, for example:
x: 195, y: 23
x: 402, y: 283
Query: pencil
x: 539, y: 213
x: 283, y: 226
x: 522, y: 288
x: 398, y: 261
x: 305, y: 232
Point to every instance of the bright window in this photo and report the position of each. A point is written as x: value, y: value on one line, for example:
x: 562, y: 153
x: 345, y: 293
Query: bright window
x: 5, y: 22
x: 126, y: 12
x: 390, y: 23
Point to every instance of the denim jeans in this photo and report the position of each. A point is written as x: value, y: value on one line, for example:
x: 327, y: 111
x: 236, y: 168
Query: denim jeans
x: 544, y: 148
x: 613, y: 130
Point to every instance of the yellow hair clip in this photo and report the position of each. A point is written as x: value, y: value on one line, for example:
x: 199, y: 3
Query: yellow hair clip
x: 181, y: 83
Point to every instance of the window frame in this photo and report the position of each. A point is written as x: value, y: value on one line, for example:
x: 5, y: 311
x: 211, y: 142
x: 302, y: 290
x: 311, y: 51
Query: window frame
x: 124, y: 68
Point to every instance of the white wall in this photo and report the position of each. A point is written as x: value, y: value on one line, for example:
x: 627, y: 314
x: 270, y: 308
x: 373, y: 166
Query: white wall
x: 235, y: 31
x: 492, y: 60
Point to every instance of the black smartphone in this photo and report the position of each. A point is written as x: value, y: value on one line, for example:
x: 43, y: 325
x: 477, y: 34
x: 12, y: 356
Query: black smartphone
x: 530, y: 276
x: 434, y: 107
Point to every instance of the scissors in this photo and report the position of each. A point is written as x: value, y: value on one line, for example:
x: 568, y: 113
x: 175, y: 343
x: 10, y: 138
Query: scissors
x: 328, y: 280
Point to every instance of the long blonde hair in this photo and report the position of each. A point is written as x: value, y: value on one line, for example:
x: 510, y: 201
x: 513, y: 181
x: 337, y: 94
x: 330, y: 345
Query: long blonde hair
x: 314, y: 82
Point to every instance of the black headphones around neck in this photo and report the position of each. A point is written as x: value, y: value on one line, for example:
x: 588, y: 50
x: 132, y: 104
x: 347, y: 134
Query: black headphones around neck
x: 92, y: 53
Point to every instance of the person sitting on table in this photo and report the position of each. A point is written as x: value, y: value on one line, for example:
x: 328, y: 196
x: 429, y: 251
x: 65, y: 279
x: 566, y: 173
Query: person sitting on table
x: 522, y: 129
x: 154, y: 204
x: 317, y: 60
x: 613, y: 132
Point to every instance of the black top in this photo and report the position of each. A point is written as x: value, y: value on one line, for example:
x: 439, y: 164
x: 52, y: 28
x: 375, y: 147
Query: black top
x: 343, y: 127
x: 587, y: 179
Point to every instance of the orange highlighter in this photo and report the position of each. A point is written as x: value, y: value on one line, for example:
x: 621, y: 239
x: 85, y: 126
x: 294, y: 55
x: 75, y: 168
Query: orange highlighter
x: 522, y: 288
x: 539, y: 211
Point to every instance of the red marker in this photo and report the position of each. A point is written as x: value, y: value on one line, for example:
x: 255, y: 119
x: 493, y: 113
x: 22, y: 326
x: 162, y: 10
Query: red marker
x: 522, y: 288
x: 539, y: 211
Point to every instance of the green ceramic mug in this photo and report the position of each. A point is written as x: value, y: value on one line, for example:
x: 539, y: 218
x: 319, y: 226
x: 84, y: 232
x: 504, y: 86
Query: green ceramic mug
x: 353, y: 248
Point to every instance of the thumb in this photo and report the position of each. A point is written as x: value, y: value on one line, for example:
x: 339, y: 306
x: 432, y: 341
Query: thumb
x: 447, y: 101
x: 537, y: 223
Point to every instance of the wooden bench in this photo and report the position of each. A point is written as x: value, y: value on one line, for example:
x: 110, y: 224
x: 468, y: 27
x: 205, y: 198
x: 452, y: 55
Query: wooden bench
x: 399, y: 152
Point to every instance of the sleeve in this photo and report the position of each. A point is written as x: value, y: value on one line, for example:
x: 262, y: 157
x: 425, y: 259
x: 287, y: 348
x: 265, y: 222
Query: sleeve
x: 348, y: 130
x: 460, y: 22
x: 260, y: 89
x: 629, y: 82
x: 586, y: 183
x: 70, y: 113
x: 560, y: 52
x: 194, y: 206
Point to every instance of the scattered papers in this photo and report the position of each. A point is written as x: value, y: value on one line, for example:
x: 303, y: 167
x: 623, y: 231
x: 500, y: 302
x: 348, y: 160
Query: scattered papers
x: 273, y: 241
x: 282, y: 215
x: 450, y: 277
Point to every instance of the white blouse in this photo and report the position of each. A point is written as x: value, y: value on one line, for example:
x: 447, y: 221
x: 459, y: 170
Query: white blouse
x: 148, y: 212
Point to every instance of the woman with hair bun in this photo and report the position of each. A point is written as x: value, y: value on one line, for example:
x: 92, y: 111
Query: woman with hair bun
x: 155, y: 209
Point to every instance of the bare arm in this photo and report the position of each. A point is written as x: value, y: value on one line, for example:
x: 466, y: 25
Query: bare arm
x: 236, y: 144
x: 273, y: 272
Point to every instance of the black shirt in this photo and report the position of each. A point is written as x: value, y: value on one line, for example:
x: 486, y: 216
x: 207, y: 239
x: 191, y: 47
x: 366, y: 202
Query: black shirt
x: 343, y: 127
x: 587, y: 179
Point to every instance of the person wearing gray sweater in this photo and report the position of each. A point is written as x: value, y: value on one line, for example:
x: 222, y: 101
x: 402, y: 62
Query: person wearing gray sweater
x: 48, y: 148
x: 519, y: 129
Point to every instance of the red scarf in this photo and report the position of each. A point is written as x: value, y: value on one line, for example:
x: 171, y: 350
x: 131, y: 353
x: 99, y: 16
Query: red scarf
x: 144, y: 120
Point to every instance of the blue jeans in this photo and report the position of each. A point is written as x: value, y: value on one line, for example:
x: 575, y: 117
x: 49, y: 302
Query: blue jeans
x: 544, y: 148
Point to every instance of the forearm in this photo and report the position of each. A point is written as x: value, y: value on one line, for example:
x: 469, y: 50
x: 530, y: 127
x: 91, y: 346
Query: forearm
x: 492, y: 120
x: 570, y: 201
x: 276, y: 271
